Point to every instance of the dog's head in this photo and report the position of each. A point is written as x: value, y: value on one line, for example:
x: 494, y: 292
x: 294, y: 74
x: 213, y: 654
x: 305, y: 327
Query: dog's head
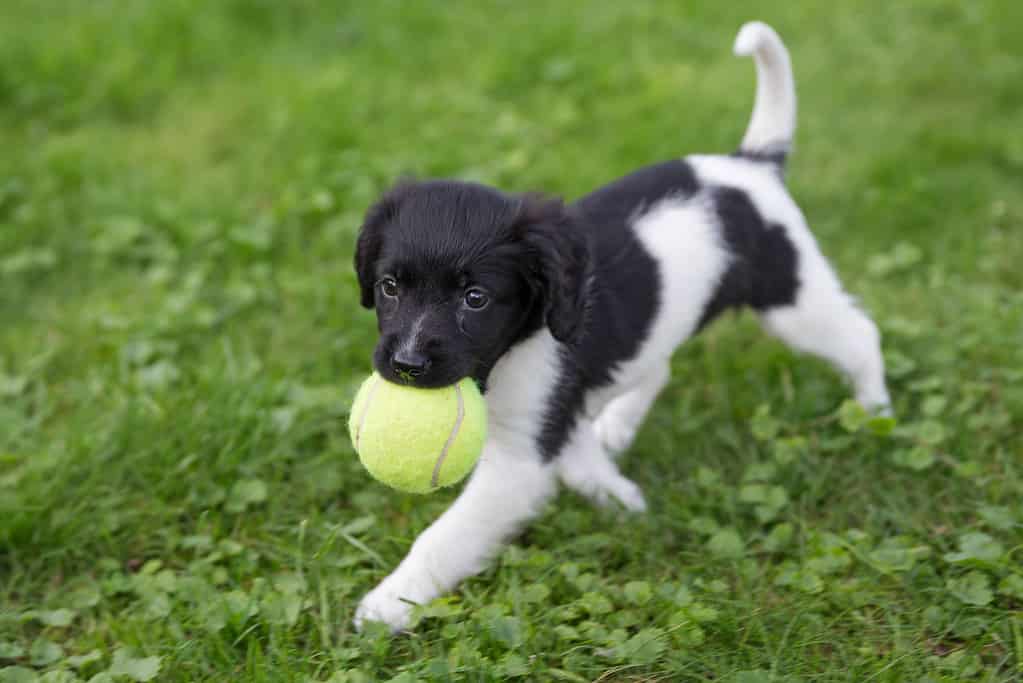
x: 459, y: 272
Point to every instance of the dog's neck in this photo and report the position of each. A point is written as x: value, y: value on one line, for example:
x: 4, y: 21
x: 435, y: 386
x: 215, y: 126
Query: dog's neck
x: 520, y: 383
x: 527, y: 326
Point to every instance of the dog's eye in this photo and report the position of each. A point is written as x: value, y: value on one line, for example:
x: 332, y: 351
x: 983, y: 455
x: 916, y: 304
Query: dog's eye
x: 389, y: 287
x: 476, y: 298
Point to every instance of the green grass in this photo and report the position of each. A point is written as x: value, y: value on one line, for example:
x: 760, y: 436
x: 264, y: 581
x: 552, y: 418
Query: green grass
x: 180, y: 187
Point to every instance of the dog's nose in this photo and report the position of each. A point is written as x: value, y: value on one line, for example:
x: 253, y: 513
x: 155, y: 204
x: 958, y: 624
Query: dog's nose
x: 409, y: 365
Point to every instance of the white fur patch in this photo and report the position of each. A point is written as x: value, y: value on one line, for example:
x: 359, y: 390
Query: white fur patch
x: 519, y: 387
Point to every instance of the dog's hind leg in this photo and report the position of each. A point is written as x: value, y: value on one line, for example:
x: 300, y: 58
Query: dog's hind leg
x: 585, y: 467
x: 618, y: 422
x: 826, y: 322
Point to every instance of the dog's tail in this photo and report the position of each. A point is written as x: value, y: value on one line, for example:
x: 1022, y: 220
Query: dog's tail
x: 769, y: 134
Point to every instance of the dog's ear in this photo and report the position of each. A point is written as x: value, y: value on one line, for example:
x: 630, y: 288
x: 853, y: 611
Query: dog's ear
x: 371, y: 239
x: 560, y: 264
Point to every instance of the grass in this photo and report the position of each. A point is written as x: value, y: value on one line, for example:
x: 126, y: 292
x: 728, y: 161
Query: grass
x: 179, y: 339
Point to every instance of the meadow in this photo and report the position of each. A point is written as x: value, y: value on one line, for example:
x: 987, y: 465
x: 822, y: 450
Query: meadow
x: 180, y: 187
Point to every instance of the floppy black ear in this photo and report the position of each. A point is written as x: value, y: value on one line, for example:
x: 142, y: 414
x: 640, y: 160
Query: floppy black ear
x: 561, y: 264
x: 371, y: 238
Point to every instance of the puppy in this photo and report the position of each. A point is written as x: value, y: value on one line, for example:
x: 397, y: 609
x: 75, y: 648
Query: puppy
x: 567, y: 316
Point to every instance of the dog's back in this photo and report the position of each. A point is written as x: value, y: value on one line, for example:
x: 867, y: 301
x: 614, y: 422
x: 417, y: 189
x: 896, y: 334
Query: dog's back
x: 678, y: 243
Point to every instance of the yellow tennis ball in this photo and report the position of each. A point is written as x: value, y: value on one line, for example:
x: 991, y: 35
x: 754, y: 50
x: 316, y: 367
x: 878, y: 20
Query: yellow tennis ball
x: 418, y: 440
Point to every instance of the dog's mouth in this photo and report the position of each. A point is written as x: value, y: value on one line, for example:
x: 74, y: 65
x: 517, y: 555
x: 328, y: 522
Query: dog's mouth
x: 405, y: 377
x: 436, y: 378
x: 443, y: 367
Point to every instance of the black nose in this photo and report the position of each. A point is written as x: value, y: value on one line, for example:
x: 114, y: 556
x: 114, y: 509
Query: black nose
x: 409, y: 365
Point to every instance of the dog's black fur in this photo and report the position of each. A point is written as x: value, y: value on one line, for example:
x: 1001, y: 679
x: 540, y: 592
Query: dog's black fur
x: 439, y: 239
x: 763, y: 273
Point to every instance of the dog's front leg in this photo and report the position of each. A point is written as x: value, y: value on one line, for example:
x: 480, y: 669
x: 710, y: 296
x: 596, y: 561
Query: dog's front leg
x: 508, y: 487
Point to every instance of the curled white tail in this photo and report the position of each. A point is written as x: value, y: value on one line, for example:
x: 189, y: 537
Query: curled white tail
x: 770, y: 130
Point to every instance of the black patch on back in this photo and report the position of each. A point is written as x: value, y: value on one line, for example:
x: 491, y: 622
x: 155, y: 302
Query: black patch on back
x: 624, y: 293
x: 762, y: 273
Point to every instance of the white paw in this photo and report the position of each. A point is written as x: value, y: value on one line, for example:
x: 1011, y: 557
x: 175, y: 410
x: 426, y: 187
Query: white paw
x: 385, y: 606
x: 627, y: 493
x: 876, y: 403
x: 883, y: 410
x: 613, y: 432
x: 604, y: 486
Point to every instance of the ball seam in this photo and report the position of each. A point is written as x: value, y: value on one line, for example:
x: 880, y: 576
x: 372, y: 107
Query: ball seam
x: 451, y: 437
x: 365, y: 411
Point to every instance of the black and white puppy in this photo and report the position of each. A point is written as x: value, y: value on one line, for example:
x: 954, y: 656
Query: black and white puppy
x: 568, y: 316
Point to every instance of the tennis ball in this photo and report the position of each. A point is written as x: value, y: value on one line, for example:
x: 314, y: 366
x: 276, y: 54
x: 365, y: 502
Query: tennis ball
x: 418, y: 440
